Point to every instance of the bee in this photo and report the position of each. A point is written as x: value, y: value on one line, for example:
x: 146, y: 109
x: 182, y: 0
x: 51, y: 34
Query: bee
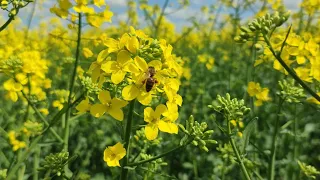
x: 150, y: 81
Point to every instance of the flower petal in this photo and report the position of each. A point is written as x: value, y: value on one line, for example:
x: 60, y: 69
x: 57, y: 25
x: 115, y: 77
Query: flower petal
x: 156, y: 64
x: 118, y: 76
x: 141, y: 63
x: 144, y: 98
x: 113, y: 163
x: 123, y: 57
x: 116, y: 113
x: 148, y: 114
x: 151, y: 131
x: 118, y: 103
x: 168, y: 127
x: 109, y: 67
x: 130, y: 92
x: 119, y: 150
x: 102, y: 55
x: 104, y: 97
x: 97, y: 110
x: 161, y: 108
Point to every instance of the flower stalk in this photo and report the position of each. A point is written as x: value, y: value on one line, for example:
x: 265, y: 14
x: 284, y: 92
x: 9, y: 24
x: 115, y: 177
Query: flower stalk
x: 274, y: 143
x: 235, y: 150
x: 161, y: 155
x: 287, y: 68
x: 127, y: 133
x: 71, y: 86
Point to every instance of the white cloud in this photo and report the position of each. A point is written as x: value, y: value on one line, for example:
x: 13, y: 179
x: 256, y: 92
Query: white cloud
x: 117, y: 3
x: 292, y: 5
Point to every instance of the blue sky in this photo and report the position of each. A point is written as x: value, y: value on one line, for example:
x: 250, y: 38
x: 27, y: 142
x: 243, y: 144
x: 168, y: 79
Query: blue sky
x: 179, y: 18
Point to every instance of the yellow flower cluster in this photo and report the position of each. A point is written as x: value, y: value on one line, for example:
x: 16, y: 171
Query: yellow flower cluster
x: 96, y: 19
x: 17, y: 144
x: 261, y: 94
x: 207, y: 60
x: 23, y: 62
x: 140, y: 68
x: 302, y: 52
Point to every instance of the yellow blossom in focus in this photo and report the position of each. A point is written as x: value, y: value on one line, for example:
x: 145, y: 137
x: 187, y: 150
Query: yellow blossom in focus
x: 118, y: 68
x: 108, y: 105
x: 112, y: 154
x: 155, y: 123
x: 83, y: 106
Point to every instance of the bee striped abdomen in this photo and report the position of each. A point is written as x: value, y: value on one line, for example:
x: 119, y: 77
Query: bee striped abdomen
x: 149, y: 84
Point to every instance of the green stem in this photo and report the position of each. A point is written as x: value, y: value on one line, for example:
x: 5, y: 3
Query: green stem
x: 287, y: 68
x: 29, y: 94
x: 55, y: 134
x: 21, y: 172
x: 35, y: 141
x: 161, y: 155
x: 36, y: 163
x: 274, y: 143
x: 71, y: 85
x: 127, y: 133
x: 160, y: 18
x: 235, y: 150
x: 24, y: 156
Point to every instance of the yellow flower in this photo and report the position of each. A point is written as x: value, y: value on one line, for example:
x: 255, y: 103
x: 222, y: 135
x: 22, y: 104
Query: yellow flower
x: 233, y: 122
x: 140, y: 73
x: 83, y: 106
x: 132, y: 44
x: 303, y: 73
x: 99, y: 3
x: 97, y: 19
x: 115, y: 45
x: 118, y: 68
x: 312, y: 47
x: 315, y: 68
x: 110, y: 106
x: 133, y: 91
x: 12, y: 87
x: 253, y: 88
x: 87, y: 52
x: 314, y: 100
x: 262, y: 96
x: 95, y: 67
x: 58, y: 104
x: 82, y: 6
x: 14, y: 142
x: 155, y: 123
x: 112, y: 154
x: 44, y: 111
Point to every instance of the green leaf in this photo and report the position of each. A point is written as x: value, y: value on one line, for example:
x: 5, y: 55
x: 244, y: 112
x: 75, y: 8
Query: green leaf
x: 247, y: 133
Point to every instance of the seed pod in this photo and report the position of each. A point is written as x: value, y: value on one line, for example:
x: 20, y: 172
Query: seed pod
x: 244, y: 29
x: 252, y: 28
x: 256, y: 25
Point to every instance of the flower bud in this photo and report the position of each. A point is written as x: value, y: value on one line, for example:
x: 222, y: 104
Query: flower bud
x: 211, y: 141
x: 4, y: 4
x: 244, y: 29
x: 205, y: 148
x: 13, y: 12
